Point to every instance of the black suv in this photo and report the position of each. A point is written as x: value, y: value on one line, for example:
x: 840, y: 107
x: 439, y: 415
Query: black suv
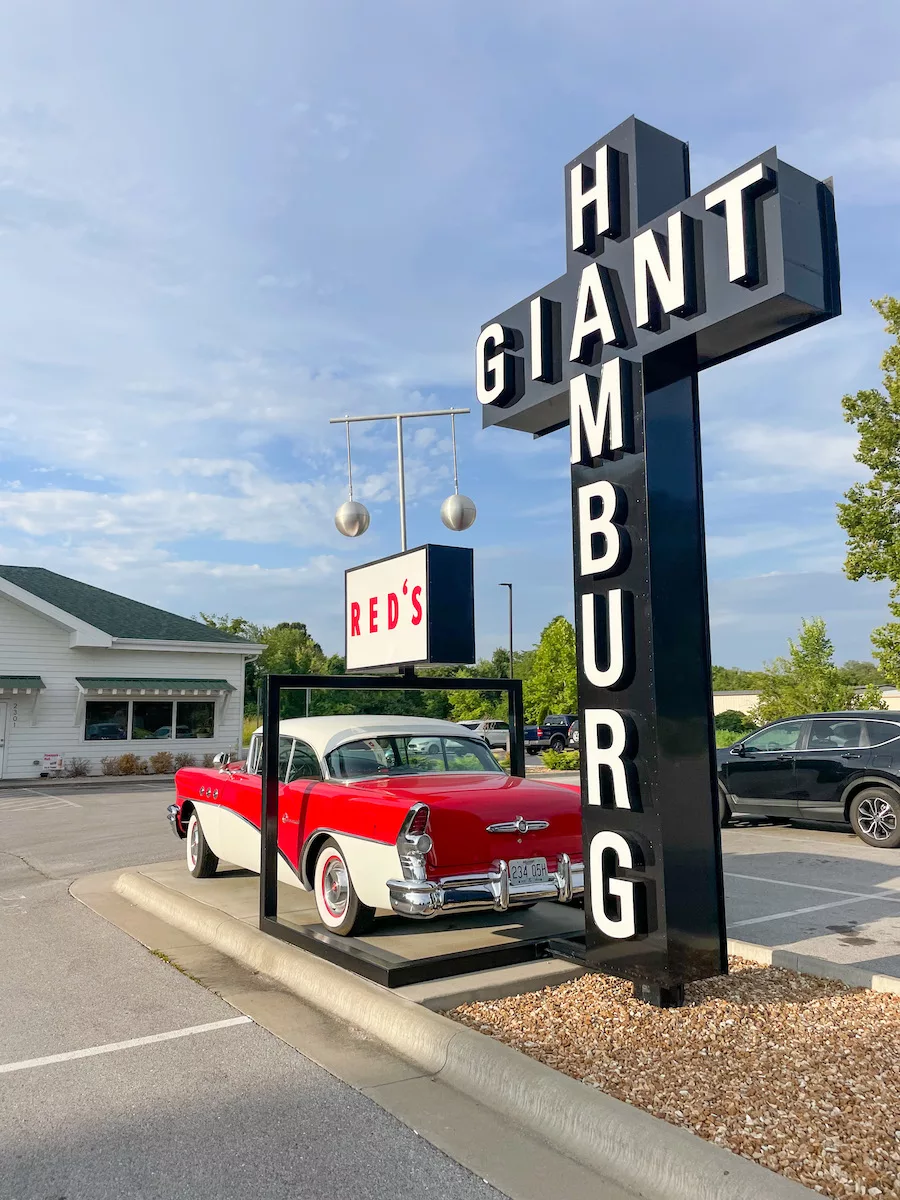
x: 834, y: 767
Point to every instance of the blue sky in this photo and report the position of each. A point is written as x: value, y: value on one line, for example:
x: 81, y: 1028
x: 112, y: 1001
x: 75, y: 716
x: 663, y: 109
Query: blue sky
x: 223, y: 223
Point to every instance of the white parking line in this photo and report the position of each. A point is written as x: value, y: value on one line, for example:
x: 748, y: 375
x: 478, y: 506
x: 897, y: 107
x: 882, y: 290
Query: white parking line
x: 797, y: 912
x: 811, y: 887
x: 27, y: 1063
x: 43, y: 803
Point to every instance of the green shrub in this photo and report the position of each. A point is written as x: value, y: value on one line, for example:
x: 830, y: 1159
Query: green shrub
x: 727, y: 737
x: 561, y: 760
x: 77, y: 766
x: 162, y: 763
x: 184, y: 760
x: 130, y: 764
x: 733, y: 721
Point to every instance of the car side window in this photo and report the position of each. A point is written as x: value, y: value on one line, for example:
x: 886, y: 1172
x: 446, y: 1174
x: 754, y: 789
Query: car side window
x: 785, y: 736
x: 304, y: 764
x: 502, y: 726
x: 285, y: 746
x: 835, y: 735
x: 880, y: 732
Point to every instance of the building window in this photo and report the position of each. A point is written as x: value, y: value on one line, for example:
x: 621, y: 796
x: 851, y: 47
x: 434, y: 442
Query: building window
x: 105, y: 721
x: 117, y: 720
x: 151, y: 719
x: 195, y: 718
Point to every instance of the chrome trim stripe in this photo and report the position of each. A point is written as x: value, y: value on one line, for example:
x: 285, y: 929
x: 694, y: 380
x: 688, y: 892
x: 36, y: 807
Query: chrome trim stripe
x: 518, y: 825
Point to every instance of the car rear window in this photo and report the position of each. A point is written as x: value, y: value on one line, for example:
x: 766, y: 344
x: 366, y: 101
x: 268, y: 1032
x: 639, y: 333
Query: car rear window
x: 556, y: 721
x: 880, y: 732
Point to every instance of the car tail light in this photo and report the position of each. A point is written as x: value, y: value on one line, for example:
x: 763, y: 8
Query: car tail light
x: 413, y: 843
x: 419, y: 822
x: 540, y: 731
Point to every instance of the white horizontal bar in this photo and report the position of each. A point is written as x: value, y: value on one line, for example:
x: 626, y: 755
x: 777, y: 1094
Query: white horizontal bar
x: 110, y: 1047
x: 438, y: 412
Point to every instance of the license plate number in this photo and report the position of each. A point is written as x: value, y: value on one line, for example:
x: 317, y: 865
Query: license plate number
x: 528, y: 870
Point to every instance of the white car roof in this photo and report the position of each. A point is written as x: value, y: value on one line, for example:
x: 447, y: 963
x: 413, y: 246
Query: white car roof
x: 324, y: 734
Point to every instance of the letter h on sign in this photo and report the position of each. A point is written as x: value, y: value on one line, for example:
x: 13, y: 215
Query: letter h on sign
x: 659, y: 285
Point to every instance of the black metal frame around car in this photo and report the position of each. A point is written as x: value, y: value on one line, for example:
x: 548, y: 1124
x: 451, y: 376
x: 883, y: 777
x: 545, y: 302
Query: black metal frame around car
x: 353, y: 954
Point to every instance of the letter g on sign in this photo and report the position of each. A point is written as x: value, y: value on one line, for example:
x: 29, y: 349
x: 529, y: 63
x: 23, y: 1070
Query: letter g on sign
x: 605, y: 846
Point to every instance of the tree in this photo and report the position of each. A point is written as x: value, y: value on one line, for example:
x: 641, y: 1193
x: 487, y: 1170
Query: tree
x: 869, y: 513
x: 552, y: 685
x: 871, y: 697
x: 237, y: 626
x: 733, y: 679
x: 860, y: 674
x: 807, y: 680
x: 733, y: 721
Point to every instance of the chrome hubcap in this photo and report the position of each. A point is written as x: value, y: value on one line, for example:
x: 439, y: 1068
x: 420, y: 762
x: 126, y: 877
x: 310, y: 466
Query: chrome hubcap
x: 876, y: 818
x: 335, y: 886
x: 194, y: 841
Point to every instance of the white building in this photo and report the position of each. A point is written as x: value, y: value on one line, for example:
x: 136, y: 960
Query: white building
x: 88, y: 674
x: 746, y: 702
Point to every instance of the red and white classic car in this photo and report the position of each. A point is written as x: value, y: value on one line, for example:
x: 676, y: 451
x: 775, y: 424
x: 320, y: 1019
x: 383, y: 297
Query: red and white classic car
x: 403, y: 814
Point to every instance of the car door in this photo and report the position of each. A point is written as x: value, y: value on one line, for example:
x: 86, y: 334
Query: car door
x: 295, y: 823
x: 498, y: 735
x: 241, y: 822
x: 759, y: 771
x: 834, y: 753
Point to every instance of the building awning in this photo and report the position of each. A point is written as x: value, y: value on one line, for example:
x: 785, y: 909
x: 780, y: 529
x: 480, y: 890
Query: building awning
x: 154, y: 687
x: 21, y: 683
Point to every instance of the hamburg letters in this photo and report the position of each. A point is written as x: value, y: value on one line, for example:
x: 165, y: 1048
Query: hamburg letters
x: 660, y: 284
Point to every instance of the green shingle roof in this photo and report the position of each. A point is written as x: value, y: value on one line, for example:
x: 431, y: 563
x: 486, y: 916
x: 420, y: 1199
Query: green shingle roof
x: 115, y: 615
x: 21, y: 683
x: 154, y: 685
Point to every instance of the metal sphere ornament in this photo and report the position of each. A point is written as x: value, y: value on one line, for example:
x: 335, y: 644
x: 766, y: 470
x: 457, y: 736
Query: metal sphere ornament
x: 352, y: 518
x: 458, y: 512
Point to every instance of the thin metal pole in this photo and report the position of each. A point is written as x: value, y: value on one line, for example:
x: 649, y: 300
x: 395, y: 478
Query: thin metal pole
x: 402, y: 482
x: 509, y: 585
x: 268, y: 849
x: 349, y: 464
x: 452, y: 413
x: 453, y: 438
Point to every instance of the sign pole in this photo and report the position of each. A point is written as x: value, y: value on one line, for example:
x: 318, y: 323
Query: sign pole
x: 659, y: 285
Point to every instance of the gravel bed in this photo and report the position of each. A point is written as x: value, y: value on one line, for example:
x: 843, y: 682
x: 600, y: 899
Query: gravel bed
x: 798, y: 1073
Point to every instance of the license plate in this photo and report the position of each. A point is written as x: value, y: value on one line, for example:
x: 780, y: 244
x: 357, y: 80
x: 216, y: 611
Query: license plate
x: 528, y: 870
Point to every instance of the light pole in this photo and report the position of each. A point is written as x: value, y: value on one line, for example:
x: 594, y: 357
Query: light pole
x: 509, y: 585
x: 457, y: 512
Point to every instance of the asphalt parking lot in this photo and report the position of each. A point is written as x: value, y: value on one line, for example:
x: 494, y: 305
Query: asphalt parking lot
x: 109, y: 1057
x: 121, y: 1077
x: 814, y: 890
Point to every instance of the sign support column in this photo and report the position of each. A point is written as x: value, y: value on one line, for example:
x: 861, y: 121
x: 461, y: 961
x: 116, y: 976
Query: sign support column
x: 660, y: 284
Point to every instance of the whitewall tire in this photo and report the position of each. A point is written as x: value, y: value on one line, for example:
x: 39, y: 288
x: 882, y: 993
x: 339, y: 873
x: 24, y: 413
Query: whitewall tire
x: 201, y: 862
x: 340, y: 909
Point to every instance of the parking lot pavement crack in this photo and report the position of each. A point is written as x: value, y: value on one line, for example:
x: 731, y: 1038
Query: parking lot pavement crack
x: 32, y: 867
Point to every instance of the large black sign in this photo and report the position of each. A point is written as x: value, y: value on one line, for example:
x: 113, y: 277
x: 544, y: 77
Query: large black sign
x: 659, y: 285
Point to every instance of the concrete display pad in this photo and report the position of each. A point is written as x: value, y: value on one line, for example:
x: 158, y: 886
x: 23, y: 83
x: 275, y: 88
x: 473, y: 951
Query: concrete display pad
x: 394, y: 940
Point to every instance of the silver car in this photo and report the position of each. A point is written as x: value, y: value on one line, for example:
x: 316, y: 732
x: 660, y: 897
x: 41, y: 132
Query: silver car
x: 495, y: 733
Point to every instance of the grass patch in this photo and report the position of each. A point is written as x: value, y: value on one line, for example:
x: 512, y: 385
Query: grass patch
x: 172, y: 963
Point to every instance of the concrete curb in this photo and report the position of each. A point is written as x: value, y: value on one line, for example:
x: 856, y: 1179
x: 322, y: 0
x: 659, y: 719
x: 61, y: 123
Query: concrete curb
x: 806, y: 964
x: 625, y: 1145
x: 81, y: 781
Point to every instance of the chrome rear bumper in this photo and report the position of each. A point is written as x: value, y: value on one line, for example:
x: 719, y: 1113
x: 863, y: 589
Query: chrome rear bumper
x: 173, y: 813
x: 491, y: 890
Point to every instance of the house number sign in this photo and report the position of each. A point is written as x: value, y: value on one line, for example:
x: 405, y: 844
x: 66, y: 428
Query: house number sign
x: 659, y: 285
